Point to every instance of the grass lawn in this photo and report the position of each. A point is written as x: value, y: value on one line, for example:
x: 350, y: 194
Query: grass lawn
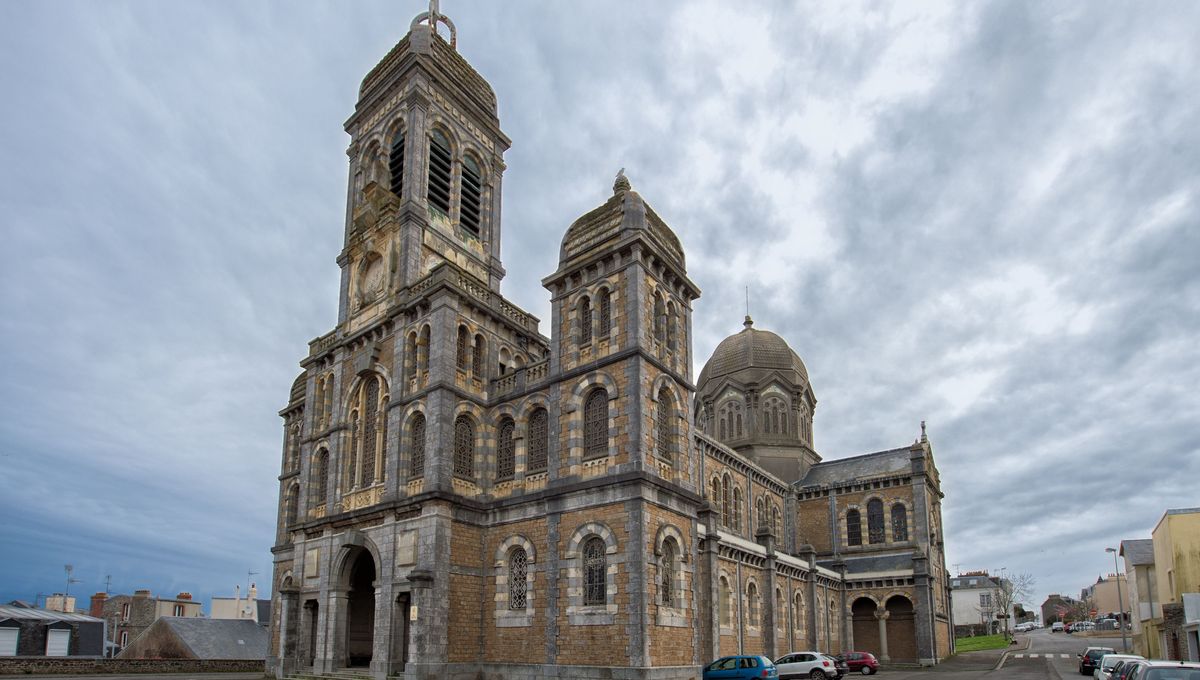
x: 974, y: 644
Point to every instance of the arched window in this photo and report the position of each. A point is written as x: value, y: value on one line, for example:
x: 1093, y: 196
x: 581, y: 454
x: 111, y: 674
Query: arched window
x: 899, y: 522
x: 320, y: 478
x: 660, y: 319
x: 293, y: 447
x: 726, y: 608
x: 462, y: 349
x: 664, y: 427
x: 666, y: 579
x: 853, y: 528
x: 875, y: 521
x: 292, y: 504
x: 423, y: 349
x: 672, y: 332
x: 410, y: 355
x: 760, y: 512
x: 595, y: 572
x: 722, y: 434
x: 472, y: 195
x: 369, y: 430
x: 396, y: 163
x: 585, y: 320
x: 518, y: 566
x: 595, y: 424
x: 726, y: 502
x: 737, y: 509
x: 780, y: 611
x: 505, y: 451
x: 715, y: 496
x: 737, y: 417
x: 416, y: 458
x: 477, y: 356
x: 752, y: 608
x: 464, y: 447
x: 798, y: 613
x: 776, y: 521
x: 604, y: 304
x: 539, y: 440
x: 438, y: 192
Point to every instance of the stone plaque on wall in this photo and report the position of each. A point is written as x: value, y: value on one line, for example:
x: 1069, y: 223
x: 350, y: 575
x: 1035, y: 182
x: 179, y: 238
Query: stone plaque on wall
x: 312, y: 563
x: 406, y: 548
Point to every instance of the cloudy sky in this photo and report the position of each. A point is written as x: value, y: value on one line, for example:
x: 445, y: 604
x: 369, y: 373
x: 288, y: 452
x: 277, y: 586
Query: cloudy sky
x: 985, y: 215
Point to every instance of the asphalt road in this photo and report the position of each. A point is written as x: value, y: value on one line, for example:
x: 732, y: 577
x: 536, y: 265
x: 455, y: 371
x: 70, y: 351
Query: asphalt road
x: 1041, y: 655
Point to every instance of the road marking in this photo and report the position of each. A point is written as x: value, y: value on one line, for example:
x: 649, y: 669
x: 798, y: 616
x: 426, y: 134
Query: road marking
x: 1064, y: 656
x: 1033, y: 656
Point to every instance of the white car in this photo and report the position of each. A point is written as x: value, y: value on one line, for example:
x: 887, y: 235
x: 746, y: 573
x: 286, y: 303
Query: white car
x: 1104, y: 670
x: 814, y: 665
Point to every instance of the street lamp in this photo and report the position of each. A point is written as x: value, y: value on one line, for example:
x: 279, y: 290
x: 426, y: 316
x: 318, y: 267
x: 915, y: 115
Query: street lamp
x: 1120, y: 600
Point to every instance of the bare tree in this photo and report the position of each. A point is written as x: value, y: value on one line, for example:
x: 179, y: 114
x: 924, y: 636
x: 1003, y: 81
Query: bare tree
x: 1008, y: 591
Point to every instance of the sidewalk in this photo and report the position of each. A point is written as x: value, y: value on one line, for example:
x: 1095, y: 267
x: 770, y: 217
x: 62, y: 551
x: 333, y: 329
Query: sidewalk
x: 983, y: 660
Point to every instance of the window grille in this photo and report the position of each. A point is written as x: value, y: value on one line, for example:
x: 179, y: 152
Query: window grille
x: 664, y: 424
x: 321, y: 478
x: 726, y: 505
x: 605, y: 305
x: 595, y: 425
x: 416, y: 459
x: 462, y: 355
x: 518, y: 568
x: 875, y: 521
x: 737, y: 509
x: 370, y: 418
x: 477, y: 357
x: 505, y: 455
x: 853, y: 528
x: 439, y: 172
x: 595, y: 572
x: 899, y: 523
x: 585, y: 321
x: 667, y: 580
x: 464, y: 447
x: 396, y: 163
x: 472, y: 194
x: 538, y: 440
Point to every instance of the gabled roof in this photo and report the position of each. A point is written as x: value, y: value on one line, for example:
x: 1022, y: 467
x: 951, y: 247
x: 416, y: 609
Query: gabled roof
x: 8, y: 611
x: 866, y: 466
x: 1139, y: 551
x: 219, y: 638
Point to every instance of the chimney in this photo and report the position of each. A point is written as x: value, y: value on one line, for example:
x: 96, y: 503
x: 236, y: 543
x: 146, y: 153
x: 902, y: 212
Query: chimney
x: 97, y: 608
x: 183, y: 596
x: 142, y: 592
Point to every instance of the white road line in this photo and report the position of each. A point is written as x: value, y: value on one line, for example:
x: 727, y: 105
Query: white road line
x: 1064, y: 656
x: 1033, y: 656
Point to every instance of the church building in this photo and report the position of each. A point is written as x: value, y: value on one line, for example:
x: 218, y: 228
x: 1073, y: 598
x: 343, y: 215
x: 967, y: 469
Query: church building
x: 461, y: 495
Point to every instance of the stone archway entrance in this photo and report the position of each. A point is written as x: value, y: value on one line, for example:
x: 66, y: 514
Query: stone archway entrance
x: 901, y: 629
x: 866, y: 628
x: 360, y: 611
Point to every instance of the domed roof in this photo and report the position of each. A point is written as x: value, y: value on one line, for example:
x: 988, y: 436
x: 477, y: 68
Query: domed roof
x: 751, y: 349
x: 622, y: 214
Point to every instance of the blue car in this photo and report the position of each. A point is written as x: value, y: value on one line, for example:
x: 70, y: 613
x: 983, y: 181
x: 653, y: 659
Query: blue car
x: 745, y: 667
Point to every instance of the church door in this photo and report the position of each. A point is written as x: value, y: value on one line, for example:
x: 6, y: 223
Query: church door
x: 360, y: 628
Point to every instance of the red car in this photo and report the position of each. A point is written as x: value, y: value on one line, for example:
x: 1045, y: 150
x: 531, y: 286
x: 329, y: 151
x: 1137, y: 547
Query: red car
x: 862, y: 662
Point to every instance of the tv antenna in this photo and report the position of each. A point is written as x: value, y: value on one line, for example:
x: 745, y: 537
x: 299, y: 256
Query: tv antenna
x: 68, y: 568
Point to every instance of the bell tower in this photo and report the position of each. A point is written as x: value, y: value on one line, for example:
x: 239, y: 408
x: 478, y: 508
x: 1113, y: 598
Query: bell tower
x: 426, y: 162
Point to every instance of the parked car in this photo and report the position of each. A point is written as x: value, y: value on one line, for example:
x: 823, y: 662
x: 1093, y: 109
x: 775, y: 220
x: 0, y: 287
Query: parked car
x: 1155, y: 669
x: 1108, y: 662
x: 813, y: 665
x: 741, y: 667
x: 1124, y: 669
x: 861, y: 662
x: 1090, y: 659
x: 1057, y: 627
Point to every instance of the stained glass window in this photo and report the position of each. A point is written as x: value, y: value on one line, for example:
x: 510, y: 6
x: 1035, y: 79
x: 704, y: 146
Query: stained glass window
x: 538, y: 439
x: 464, y: 447
x: 505, y: 451
x: 518, y: 565
x: 595, y: 572
x: 416, y: 458
x: 595, y: 424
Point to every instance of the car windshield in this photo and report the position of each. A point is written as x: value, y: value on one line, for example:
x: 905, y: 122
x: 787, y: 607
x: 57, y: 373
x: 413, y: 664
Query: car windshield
x: 1179, y: 673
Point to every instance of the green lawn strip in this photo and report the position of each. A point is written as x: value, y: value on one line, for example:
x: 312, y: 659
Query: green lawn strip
x: 979, y: 642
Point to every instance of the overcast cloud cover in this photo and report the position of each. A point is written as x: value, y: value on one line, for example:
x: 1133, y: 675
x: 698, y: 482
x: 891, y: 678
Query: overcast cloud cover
x: 983, y: 215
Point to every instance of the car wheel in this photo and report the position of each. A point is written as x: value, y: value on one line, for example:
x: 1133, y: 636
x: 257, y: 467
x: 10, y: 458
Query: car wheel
x: 817, y: 674
x: 865, y: 670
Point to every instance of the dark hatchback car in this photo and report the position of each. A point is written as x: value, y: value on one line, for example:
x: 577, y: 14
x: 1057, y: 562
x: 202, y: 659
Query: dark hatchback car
x: 741, y: 668
x: 861, y: 662
x: 1090, y: 660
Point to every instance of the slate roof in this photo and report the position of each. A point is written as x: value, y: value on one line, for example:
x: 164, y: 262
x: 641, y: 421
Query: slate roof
x: 1138, y: 551
x: 866, y: 466
x: 219, y: 638
x: 751, y: 348
x: 26, y: 614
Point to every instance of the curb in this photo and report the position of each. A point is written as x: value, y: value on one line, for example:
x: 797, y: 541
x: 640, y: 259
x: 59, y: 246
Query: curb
x: 1004, y: 657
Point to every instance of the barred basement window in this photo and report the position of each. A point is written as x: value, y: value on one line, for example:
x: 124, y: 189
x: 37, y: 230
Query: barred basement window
x: 461, y: 347
x: 585, y: 320
x: 605, y: 305
x: 505, y: 454
x: 396, y: 163
x: 472, y: 192
x: 464, y: 447
x: 665, y: 433
x: 595, y: 572
x: 439, y: 172
x: 595, y: 424
x: 370, y: 420
x: 538, y: 440
x: 875, y: 521
x: 899, y: 523
x: 667, y: 575
x: 518, y: 568
x: 853, y: 528
x: 416, y: 459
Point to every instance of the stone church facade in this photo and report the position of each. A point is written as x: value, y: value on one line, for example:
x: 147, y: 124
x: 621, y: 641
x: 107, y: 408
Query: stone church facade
x: 461, y: 494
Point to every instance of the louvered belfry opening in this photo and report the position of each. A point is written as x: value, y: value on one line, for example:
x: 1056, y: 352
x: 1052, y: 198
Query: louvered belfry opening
x: 472, y: 195
x: 439, y: 172
x: 396, y: 163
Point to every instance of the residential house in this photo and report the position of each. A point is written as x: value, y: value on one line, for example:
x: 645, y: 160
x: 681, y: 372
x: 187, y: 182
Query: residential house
x: 977, y: 603
x: 25, y: 631
x: 196, y: 638
x: 1142, y: 594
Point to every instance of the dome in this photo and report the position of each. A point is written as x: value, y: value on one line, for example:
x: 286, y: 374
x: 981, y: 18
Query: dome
x: 751, y: 349
x: 623, y: 214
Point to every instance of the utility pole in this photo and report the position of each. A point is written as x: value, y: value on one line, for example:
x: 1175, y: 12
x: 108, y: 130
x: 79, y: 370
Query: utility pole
x: 1120, y: 601
x: 107, y: 583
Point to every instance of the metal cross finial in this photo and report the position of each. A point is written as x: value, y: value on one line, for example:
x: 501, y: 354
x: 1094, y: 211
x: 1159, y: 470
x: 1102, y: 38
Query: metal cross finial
x: 433, y: 17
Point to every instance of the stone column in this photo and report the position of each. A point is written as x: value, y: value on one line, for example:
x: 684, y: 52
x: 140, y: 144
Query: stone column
x: 881, y: 615
x: 331, y: 648
x: 285, y: 665
x: 381, y: 647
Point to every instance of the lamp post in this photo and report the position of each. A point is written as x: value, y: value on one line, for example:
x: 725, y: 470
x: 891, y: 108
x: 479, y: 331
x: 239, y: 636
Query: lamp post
x: 1120, y: 600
